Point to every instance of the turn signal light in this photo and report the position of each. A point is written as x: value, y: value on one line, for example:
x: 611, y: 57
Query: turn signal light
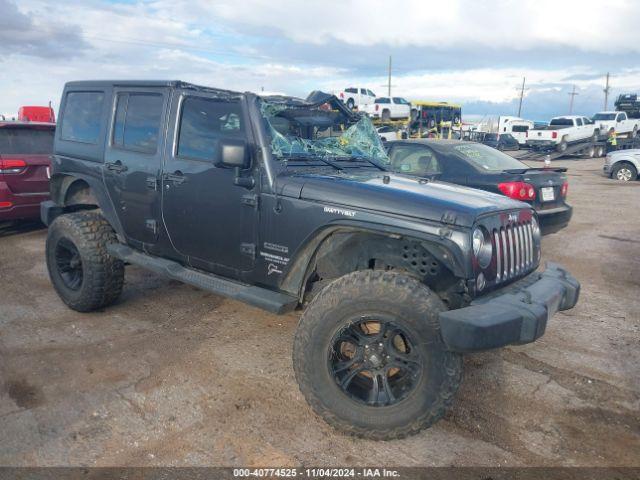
x: 12, y: 166
x: 518, y: 190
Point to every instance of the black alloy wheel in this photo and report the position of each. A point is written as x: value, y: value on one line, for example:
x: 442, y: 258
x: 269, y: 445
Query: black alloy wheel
x: 69, y: 264
x: 374, y: 362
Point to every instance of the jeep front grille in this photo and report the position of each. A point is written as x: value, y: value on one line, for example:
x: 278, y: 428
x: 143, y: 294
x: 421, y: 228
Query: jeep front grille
x: 514, y: 250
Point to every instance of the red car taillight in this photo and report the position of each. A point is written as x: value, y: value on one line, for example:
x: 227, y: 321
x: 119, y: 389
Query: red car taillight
x: 564, y: 189
x: 518, y: 190
x: 5, y: 204
x: 12, y: 166
x: 554, y: 134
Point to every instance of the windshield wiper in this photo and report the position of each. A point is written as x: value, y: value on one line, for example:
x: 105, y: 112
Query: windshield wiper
x: 368, y: 160
x: 308, y: 157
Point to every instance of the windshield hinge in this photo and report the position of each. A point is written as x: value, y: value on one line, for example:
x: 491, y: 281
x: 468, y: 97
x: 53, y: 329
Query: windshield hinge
x: 251, y: 200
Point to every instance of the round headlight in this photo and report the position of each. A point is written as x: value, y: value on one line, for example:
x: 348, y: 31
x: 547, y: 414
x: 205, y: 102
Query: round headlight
x: 482, y: 249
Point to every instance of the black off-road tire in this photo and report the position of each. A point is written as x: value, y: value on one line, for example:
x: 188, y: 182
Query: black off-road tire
x: 102, y: 275
x: 414, y: 307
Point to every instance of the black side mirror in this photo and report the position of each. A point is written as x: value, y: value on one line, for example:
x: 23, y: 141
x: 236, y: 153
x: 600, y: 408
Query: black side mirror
x: 233, y: 153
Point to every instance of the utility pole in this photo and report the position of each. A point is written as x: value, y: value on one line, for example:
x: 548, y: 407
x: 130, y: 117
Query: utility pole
x: 572, y: 95
x: 389, y: 82
x: 606, y: 92
x: 521, y: 96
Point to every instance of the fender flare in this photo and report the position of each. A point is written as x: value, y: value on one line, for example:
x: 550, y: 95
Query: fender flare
x: 59, y: 194
x: 296, y: 276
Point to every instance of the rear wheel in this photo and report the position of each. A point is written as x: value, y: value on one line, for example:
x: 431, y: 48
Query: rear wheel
x: 562, y: 146
x: 624, y: 171
x: 351, y: 103
x: 386, y: 115
x: 369, y: 358
x: 83, y: 274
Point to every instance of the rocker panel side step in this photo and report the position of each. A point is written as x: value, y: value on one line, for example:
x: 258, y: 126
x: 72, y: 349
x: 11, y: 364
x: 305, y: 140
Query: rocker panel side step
x: 274, y: 302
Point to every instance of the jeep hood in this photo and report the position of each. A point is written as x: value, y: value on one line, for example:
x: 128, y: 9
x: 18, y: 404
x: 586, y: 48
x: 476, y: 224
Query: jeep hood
x: 396, y: 194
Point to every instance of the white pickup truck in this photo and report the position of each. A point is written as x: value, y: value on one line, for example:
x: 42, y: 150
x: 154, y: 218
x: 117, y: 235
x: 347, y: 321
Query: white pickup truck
x: 388, y: 108
x: 563, y: 131
x: 609, y: 122
x: 356, y: 97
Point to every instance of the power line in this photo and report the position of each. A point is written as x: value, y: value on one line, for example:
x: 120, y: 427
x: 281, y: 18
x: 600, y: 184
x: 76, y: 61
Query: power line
x: 572, y: 95
x: 521, y: 96
x: 606, y: 90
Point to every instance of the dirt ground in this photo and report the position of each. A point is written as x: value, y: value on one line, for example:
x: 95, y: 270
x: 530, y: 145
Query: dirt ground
x: 172, y: 375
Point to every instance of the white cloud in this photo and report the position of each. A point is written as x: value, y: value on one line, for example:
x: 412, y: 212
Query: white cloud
x: 206, y: 42
x: 590, y: 25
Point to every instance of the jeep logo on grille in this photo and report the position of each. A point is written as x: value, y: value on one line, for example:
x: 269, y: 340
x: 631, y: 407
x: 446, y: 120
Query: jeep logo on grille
x: 513, y: 217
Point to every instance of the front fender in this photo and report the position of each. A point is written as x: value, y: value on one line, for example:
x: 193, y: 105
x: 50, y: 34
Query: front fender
x: 438, y: 241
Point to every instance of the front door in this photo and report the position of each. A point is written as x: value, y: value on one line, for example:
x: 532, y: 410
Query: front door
x: 208, y: 218
x: 133, y: 157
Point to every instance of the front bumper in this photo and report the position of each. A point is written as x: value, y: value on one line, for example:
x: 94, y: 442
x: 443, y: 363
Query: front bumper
x: 515, y: 315
x: 606, y: 169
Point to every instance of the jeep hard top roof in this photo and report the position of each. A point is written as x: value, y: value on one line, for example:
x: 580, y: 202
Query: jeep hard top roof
x: 75, y: 85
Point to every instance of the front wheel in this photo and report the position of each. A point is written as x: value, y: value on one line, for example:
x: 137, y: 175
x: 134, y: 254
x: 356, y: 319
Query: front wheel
x: 369, y: 359
x: 625, y: 172
x: 350, y: 104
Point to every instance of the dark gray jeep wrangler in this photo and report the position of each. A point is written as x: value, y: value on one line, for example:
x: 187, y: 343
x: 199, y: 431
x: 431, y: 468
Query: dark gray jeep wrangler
x: 284, y: 203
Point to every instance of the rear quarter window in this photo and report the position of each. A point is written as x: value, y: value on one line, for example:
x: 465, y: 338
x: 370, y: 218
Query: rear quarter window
x: 82, y: 117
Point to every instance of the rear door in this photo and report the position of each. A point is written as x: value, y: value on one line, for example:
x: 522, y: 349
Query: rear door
x: 133, y: 158
x: 26, y: 150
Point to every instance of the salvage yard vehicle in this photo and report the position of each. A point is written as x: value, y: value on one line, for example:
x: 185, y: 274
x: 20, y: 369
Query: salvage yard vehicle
x: 283, y: 203
x: 356, y: 97
x: 25, y: 148
x: 480, y: 166
x: 388, y: 108
x: 622, y: 165
x: 563, y: 131
x: 499, y: 141
x: 610, y: 122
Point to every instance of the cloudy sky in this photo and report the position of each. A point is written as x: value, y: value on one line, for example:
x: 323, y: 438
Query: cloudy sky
x: 475, y: 52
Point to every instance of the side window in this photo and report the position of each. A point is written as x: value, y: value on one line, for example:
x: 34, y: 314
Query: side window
x: 414, y: 159
x: 203, y: 122
x: 351, y: 90
x: 370, y: 93
x: 620, y: 117
x: 81, y: 118
x: 363, y: 91
x: 579, y: 122
x: 137, y: 121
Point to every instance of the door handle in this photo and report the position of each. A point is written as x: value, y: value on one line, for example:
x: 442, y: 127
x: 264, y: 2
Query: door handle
x: 116, y: 166
x: 176, y: 177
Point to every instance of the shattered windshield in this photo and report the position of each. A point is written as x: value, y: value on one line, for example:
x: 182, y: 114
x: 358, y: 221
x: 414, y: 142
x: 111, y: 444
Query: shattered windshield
x: 300, y: 131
